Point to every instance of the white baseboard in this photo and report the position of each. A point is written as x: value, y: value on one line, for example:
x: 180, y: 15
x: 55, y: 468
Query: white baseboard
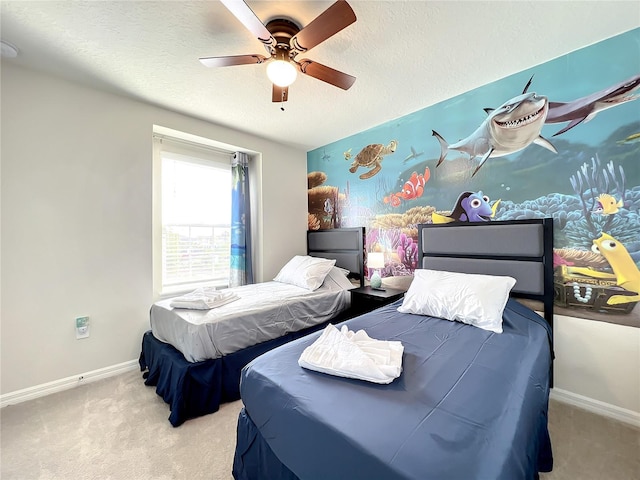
x: 38, y: 391
x: 596, y: 406
x: 601, y: 408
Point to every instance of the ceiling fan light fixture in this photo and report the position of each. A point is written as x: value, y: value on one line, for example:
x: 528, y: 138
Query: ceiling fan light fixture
x: 281, y: 72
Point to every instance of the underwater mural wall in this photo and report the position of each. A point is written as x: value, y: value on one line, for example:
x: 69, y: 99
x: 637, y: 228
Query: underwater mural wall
x: 559, y: 140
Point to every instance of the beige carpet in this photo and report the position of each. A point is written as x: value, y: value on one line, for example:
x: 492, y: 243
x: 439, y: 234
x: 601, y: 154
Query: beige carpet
x: 118, y: 429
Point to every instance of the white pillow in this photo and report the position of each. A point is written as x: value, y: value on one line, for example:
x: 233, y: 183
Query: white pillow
x: 477, y: 300
x: 305, y: 271
x: 344, y: 271
x: 337, y: 280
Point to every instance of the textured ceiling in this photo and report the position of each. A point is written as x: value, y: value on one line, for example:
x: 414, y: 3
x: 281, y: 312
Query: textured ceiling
x: 406, y: 55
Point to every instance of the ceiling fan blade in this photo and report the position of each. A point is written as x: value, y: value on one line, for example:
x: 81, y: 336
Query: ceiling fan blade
x: 245, y: 15
x: 328, y: 23
x: 232, y: 60
x: 326, y: 74
x: 280, y: 94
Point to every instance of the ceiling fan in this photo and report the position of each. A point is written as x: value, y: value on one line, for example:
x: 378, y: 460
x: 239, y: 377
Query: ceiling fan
x: 284, y: 40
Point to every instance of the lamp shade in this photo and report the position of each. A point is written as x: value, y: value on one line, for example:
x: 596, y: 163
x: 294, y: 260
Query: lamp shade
x: 375, y: 260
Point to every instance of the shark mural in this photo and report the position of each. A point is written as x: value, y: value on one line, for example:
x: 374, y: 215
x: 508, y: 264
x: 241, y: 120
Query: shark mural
x: 508, y: 129
x: 586, y: 108
x: 580, y: 108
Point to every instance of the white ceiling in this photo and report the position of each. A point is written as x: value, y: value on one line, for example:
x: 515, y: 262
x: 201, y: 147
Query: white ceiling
x: 406, y: 55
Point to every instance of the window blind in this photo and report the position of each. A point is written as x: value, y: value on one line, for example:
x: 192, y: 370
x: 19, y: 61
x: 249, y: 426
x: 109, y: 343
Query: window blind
x: 196, y: 214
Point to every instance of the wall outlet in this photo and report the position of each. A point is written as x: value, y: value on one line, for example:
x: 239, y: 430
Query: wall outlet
x: 82, y: 327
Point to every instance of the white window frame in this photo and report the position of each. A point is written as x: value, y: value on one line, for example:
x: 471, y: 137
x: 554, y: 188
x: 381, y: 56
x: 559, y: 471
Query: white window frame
x: 178, y: 144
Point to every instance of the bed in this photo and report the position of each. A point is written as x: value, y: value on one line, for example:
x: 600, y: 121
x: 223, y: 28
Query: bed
x: 469, y: 403
x: 194, y: 357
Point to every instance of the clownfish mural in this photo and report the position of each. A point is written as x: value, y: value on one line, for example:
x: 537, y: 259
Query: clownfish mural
x: 413, y: 188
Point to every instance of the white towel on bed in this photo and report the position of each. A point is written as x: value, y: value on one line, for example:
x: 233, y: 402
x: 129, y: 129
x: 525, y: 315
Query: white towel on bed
x: 353, y: 355
x: 204, y: 299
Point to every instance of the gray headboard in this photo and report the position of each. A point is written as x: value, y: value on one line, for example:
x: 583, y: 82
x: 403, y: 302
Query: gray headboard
x: 345, y: 245
x: 522, y: 249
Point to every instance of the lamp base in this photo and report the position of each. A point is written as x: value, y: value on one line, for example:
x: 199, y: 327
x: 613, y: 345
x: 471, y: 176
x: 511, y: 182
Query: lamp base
x: 375, y: 281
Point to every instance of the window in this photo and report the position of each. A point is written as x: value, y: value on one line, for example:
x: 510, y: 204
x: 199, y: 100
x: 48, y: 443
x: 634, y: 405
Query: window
x: 193, y: 210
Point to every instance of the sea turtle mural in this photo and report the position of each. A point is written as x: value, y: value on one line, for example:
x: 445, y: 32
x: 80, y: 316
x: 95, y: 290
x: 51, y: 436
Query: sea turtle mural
x: 370, y: 156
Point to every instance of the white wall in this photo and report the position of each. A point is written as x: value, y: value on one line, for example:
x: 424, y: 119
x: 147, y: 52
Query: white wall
x: 599, y: 361
x: 76, y: 222
x: 76, y: 239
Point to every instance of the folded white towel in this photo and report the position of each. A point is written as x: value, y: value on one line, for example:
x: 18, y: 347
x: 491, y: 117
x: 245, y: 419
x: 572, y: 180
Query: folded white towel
x: 353, y: 355
x: 204, y: 299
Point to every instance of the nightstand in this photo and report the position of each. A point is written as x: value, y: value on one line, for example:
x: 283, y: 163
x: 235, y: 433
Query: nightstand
x: 365, y: 299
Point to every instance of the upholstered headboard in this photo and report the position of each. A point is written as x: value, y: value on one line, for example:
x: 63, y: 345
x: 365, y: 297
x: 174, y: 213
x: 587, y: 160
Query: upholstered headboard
x: 345, y: 245
x: 522, y: 249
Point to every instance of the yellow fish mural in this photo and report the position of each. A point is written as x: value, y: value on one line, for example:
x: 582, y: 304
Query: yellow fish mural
x: 625, y: 271
x: 607, y: 205
x: 630, y: 139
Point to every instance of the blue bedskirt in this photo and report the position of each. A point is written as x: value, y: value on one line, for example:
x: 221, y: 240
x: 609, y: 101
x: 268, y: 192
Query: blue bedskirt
x: 196, y: 389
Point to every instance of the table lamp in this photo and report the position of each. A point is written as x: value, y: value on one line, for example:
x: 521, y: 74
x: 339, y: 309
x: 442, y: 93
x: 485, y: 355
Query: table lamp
x: 375, y: 261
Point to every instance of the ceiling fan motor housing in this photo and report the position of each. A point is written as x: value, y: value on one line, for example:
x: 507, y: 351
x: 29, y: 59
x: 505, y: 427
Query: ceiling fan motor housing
x: 282, y: 30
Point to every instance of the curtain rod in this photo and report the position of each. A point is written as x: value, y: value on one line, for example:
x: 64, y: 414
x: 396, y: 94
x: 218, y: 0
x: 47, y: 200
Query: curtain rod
x: 191, y: 143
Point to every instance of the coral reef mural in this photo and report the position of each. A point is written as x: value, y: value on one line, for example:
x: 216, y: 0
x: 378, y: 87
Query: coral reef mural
x: 559, y: 140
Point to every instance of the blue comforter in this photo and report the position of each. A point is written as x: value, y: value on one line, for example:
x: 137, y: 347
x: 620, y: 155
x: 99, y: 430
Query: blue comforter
x: 469, y: 404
